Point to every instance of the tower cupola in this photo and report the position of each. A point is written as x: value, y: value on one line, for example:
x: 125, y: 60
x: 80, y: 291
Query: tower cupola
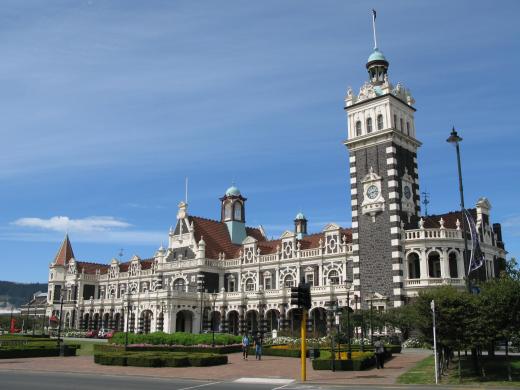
x: 377, y: 67
x: 300, y: 225
x: 233, y: 214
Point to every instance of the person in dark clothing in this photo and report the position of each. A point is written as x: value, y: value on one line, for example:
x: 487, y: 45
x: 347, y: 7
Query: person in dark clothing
x: 258, y: 341
x: 379, y: 349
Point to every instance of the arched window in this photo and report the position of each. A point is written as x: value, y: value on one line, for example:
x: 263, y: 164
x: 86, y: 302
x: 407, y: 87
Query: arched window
x: 228, y: 211
x: 358, y: 128
x: 380, y: 122
x: 414, y: 266
x: 333, y: 277
x: 250, y: 284
x: 434, y: 265
x: 454, y: 270
x: 369, y: 125
x: 238, y: 211
x: 179, y: 284
x: 288, y: 281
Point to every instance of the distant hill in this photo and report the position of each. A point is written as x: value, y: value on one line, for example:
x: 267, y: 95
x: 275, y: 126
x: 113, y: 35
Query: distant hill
x: 16, y: 294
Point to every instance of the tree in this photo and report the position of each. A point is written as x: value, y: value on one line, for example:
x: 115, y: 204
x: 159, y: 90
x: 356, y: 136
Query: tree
x: 512, y: 269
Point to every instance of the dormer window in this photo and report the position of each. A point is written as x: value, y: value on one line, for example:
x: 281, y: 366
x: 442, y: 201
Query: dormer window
x: 358, y: 128
x: 380, y: 122
x: 369, y: 125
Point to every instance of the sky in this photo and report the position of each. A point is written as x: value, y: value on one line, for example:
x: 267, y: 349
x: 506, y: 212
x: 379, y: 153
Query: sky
x: 107, y: 106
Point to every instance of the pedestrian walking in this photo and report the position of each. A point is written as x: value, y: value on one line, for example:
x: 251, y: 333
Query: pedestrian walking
x: 245, y: 347
x: 258, y: 341
x: 379, y: 349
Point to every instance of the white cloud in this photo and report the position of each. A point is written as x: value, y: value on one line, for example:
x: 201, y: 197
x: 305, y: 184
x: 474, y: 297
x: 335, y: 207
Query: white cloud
x: 66, y: 224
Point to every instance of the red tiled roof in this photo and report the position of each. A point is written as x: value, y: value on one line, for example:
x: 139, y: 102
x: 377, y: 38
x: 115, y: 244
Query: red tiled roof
x: 65, y: 252
x: 216, y: 236
x: 255, y: 233
x: 90, y: 268
x: 450, y: 219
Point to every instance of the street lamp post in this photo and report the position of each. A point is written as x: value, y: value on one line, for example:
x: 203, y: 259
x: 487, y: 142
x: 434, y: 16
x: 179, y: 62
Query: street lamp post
x: 128, y: 307
x: 214, y: 299
x: 454, y: 139
x: 33, y: 321
x: 348, y: 284
x: 200, y: 290
x: 371, y: 325
x: 60, y: 343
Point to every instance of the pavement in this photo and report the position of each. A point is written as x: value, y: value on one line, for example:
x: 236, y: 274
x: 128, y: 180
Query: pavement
x: 270, y: 368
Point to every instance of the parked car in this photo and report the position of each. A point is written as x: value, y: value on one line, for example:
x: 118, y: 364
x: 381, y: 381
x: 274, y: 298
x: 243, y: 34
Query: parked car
x: 105, y: 333
x: 91, y: 334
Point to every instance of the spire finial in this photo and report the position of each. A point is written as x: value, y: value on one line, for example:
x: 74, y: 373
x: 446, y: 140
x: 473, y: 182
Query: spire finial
x: 186, y: 189
x: 374, y: 27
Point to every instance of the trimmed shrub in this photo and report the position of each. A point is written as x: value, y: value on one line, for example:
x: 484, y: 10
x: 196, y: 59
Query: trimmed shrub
x: 358, y: 363
x: 36, y: 350
x: 268, y: 351
x: 224, y: 349
x: 164, y: 359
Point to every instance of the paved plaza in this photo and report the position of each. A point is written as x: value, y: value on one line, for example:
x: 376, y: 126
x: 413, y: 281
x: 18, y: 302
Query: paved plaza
x: 269, y: 367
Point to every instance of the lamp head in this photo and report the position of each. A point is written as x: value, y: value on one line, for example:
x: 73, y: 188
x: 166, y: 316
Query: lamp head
x: 454, y: 137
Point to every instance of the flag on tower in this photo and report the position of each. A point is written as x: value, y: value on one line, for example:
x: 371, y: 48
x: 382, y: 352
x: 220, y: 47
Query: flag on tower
x: 374, y: 13
x: 477, y: 257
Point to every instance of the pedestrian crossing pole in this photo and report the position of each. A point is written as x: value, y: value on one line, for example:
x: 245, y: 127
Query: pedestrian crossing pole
x: 304, y: 345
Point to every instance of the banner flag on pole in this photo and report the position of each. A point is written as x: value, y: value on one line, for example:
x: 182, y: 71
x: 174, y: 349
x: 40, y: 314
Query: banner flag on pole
x: 477, y: 257
x: 374, y: 13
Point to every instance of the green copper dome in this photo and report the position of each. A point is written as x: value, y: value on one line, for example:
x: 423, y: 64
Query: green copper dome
x: 300, y: 216
x: 233, y: 191
x: 376, y: 56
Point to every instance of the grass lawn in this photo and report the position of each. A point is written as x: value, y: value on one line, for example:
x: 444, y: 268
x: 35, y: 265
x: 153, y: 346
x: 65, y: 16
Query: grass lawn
x: 86, y: 347
x: 494, y: 367
x: 421, y: 373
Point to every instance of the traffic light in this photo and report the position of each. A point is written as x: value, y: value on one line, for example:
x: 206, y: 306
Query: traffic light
x: 301, y: 296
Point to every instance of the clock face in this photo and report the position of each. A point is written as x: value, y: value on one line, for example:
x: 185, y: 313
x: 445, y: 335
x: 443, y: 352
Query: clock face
x: 407, y: 192
x: 372, y: 192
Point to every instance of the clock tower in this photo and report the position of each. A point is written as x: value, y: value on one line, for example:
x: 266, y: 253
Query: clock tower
x: 384, y: 181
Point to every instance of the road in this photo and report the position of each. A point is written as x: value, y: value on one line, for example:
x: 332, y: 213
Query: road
x: 55, y: 381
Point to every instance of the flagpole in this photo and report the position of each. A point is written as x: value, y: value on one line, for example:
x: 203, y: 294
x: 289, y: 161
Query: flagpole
x: 374, y: 27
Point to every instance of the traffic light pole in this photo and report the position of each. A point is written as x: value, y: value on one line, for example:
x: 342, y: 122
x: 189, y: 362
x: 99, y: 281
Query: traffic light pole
x: 304, y: 345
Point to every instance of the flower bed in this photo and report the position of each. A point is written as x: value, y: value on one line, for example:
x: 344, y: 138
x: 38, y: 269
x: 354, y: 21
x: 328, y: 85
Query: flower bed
x: 178, y: 338
x: 159, y: 359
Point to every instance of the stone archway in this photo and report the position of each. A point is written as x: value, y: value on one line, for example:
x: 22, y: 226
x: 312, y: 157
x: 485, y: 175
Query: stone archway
x: 233, y: 320
x: 106, y: 320
x: 86, y: 321
x: 294, y: 316
x: 145, y: 321
x: 272, y: 317
x: 318, y: 317
x: 215, y: 321
x: 96, y: 322
x: 252, y: 322
x: 117, y: 322
x: 184, y: 321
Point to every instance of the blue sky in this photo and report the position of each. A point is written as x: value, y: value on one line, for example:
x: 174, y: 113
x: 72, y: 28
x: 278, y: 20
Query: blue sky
x: 107, y: 106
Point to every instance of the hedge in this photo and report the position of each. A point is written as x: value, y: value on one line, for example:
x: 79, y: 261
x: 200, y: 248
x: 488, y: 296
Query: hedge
x: 162, y: 359
x: 268, y: 351
x: 178, y: 338
x: 38, y: 350
x: 357, y: 363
